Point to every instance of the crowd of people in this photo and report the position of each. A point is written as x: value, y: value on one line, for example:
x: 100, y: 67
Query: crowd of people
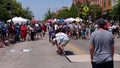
x: 75, y: 30
x: 12, y: 33
x: 81, y: 30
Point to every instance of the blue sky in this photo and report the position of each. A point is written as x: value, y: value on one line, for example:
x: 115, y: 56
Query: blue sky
x: 40, y: 7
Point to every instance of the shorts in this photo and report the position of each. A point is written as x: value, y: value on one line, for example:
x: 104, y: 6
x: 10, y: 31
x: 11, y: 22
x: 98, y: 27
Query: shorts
x: 64, y: 42
x: 109, y: 64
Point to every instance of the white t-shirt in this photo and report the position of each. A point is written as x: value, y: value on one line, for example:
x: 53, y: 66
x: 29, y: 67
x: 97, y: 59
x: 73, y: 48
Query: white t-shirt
x: 61, y: 37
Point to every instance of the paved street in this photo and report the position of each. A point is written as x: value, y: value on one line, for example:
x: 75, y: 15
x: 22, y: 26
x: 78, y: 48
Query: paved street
x: 21, y: 19
x: 80, y: 47
x: 41, y: 54
x: 35, y: 54
x: 83, y: 45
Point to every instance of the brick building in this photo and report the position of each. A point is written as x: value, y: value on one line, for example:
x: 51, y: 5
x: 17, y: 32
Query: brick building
x: 82, y: 1
x: 77, y: 1
x: 106, y: 4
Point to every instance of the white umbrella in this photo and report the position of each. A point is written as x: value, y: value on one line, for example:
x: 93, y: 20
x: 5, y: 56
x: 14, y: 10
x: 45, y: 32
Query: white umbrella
x: 78, y: 19
x: 69, y: 20
x: 54, y: 20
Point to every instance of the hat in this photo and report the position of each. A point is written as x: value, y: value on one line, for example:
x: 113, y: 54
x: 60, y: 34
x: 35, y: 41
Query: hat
x: 101, y: 21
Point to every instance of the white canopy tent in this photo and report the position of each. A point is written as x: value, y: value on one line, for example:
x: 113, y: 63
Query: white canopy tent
x: 18, y: 20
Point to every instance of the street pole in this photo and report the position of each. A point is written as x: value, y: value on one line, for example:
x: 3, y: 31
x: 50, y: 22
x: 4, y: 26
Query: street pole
x: 11, y: 12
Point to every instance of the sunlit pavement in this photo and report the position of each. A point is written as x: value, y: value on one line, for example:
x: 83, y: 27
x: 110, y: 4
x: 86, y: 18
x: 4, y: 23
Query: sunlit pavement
x: 35, y: 54
x: 41, y: 54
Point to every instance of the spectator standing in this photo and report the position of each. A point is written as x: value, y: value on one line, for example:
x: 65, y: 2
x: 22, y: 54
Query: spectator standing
x: 17, y: 34
x: 114, y: 30
x: 39, y: 31
x: 44, y: 27
x: 23, y: 32
x: 4, y: 31
x: 32, y: 32
x: 51, y: 31
x: 102, y: 47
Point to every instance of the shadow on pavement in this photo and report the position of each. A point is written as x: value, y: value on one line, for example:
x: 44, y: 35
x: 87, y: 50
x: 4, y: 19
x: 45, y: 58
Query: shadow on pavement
x: 69, y: 53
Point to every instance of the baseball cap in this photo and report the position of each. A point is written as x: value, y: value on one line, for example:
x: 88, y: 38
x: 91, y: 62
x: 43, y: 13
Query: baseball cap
x: 101, y: 21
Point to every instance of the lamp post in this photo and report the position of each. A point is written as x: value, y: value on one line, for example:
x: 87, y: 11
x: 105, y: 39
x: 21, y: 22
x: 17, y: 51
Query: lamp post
x: 9, y: 8
x: 11, y: 11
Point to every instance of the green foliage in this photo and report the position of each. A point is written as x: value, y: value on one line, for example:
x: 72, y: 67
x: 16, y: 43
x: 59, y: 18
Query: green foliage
x: 73, y: 11
x: 28, y: 13
x: 63, y: 14
x: 115, y: 12
x: 17, y: 10
x: 77, y: 10
x: 3, y: 11
x: 49, y: 14
x: 95, y: 11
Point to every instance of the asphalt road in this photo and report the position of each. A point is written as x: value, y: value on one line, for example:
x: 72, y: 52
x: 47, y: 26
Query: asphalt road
x: 41, y: 54
x: 83, y: 47
x: 35, y: 54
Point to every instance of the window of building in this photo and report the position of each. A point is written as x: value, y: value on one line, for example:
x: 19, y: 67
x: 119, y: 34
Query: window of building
x: 104, y: 3
x: 114, y: 1
x: 109, y: 2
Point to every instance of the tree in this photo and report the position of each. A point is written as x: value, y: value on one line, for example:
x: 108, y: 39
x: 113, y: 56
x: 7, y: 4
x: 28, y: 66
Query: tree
x: 115, y: 12
x: 17, y: 10
x: 78, y: 10
x: 28, y: 13
x: 49, y: 14
x: 95, y: 11
x: 73, y: 11
x: 4, y: 14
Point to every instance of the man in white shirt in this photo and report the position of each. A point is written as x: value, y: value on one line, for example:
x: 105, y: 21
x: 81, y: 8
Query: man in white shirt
x: 60, y: 40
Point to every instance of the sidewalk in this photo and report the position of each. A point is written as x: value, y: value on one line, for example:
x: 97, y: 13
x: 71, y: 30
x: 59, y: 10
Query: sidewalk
x: 117, y: 45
